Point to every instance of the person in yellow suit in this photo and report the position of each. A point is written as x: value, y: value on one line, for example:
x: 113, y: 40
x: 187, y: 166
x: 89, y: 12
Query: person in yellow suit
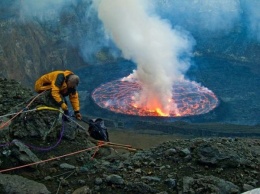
x: 61, y: 84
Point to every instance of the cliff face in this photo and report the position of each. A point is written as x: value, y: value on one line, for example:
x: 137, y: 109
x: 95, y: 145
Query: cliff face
x: 29, y: 50
x: 32, y: 46
x: 74, y: 36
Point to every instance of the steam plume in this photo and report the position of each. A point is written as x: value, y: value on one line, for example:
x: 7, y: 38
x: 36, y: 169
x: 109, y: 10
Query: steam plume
x: 152, y: 43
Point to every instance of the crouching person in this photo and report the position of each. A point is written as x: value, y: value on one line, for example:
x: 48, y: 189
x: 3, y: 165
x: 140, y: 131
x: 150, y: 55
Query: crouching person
x: 61, y: 84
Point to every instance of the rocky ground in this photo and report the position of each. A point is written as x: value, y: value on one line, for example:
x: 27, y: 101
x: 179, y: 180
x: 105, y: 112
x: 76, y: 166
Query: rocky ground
x: 68, y: 161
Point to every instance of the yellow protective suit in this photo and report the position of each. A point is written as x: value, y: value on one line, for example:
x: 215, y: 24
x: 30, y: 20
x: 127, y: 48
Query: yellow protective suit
x: 56, y: 81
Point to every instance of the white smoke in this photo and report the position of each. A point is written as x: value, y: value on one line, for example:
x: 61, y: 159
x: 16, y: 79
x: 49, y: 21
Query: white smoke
x: 43, y: 9
x: 211, y: 15
x: 252, y: 10
x: 214, y: 16
x: 152, y: 43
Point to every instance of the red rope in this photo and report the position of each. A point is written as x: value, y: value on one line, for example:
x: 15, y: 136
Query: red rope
x: 50, y: 159
x: 7, y: 122
x: 99, y: 144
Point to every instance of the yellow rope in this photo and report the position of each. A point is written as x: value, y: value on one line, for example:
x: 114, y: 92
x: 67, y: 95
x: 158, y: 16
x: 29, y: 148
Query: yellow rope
x: 56, y: 109
x: 2, y: 125
x: 48, y: 108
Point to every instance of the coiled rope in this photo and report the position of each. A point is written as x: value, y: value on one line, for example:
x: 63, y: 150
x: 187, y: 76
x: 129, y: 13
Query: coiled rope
x: 99, y: 143
x: 61, y: 133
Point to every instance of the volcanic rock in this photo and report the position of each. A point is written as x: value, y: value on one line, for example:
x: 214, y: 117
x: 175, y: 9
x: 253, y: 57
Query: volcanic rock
x: 18, y: 184
x: 187, y: 165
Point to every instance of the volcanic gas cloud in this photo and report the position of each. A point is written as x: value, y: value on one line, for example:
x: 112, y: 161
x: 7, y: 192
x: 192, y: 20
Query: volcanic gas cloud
x: 162, y: 54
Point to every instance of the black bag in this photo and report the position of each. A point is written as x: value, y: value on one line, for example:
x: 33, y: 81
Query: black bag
x: 98, y: 130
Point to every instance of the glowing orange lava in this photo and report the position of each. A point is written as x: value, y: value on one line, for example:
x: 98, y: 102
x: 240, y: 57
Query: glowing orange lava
x: 188, y: 98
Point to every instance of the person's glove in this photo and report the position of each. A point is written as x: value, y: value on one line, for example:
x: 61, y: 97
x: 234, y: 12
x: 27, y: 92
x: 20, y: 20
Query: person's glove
x: 65, y: 116
x: 78, y: 115
x: 64, y: 106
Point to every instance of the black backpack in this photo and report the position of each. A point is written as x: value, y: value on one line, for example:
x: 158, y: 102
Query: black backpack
x: 98, y: 130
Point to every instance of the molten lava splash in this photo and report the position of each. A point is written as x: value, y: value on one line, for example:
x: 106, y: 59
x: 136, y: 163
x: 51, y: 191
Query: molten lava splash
x: 160, y: 113
x: 188, y: 98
